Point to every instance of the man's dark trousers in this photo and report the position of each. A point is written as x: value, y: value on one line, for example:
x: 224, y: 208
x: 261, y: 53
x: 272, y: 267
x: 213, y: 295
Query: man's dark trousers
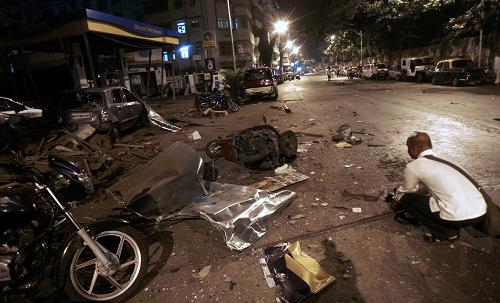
x: 418, y: 206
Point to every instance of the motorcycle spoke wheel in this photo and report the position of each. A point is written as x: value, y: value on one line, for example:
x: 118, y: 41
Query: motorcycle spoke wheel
x: 89, y: 278
x: 233, y: 106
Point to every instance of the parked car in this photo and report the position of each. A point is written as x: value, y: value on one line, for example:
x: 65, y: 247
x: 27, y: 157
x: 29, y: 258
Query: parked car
x: 9, y: 107
x: 108, y: 109
x: 417, y: 68
x: 377, y: 70
x: 352, y: 72
x: 279, y: 79
x: 394, y: 72
x: 457, y: 71
x: 259, y: 82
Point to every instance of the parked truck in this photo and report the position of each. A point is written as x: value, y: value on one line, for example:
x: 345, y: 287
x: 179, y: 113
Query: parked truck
x: 417, y: 68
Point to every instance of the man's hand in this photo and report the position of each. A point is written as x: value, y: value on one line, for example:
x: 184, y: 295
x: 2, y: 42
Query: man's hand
x: 394, y: 205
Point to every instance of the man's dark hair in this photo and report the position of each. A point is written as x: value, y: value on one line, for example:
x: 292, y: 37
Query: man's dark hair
x: 420, y: 140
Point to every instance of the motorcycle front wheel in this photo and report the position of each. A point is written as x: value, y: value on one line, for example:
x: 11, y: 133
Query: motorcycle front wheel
x: 89, y: 280
x: 233, y: 106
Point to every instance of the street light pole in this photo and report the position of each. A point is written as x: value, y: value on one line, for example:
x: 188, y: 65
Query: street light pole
x: 361, y: 50
x: 231, y: 30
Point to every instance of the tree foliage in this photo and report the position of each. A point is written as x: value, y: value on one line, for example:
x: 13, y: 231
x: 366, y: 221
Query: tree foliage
x: 234, y: 78
x: 265, y: 48
x: 389, y: 25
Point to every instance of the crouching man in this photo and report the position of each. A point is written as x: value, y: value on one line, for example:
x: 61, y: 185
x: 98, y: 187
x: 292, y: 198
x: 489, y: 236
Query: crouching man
x: 437, y: 193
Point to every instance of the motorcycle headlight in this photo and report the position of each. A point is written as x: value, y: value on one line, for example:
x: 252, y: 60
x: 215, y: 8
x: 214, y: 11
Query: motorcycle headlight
x: 85, y: 180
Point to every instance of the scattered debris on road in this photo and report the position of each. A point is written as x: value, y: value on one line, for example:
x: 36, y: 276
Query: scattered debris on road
x: 202, y: 273
x: 282, y: 108
x: 344, y: 134
x: 365, y: 197
x: 275, y: 183
x: 297, y: 273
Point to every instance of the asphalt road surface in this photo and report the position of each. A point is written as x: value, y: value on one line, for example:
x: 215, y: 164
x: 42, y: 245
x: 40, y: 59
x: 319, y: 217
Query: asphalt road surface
x: 382, y: 261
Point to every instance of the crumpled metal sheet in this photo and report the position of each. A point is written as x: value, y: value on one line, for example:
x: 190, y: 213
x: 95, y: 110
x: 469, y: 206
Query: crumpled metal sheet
x: 158, y: 120
x: 165, y: 184
x: 241, y: 212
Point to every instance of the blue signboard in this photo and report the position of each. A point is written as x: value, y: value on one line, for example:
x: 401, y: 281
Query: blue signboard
x: 134, y: 26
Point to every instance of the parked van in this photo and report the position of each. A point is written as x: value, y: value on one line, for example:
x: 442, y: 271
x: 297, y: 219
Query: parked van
x: 259, y: 82
x: 375, y: 70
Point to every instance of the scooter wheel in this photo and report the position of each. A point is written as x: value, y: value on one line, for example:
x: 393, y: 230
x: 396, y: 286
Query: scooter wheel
x: 288, y: 145
x: 214, y: 149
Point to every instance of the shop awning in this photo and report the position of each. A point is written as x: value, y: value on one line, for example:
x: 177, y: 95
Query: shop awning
x: 116, y: 30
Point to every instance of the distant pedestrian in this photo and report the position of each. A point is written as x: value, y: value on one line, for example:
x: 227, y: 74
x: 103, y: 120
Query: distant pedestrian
x: 438, y: 193
x: 497, y: 68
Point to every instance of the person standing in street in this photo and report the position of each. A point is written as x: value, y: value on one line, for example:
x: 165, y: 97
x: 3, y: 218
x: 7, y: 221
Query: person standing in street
x: 497, y: 68
x: 438, y: 195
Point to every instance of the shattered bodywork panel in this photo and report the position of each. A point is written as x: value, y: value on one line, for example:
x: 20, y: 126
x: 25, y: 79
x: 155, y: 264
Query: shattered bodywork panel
x: 165, y: 184
x: 242, y: 213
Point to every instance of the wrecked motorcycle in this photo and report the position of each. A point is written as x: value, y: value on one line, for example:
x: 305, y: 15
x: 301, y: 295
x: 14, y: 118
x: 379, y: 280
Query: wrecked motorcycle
x: 219, y: 101
x: 42, y: 241
x: 259, y: 147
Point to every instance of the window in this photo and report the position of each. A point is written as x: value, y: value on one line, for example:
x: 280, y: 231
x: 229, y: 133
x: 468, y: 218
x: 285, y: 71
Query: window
x: 184, y: 52
x: 195, y: 25
x: 117, y: 95
x: 177, y: 4
x: 404, y: 62
x: 129, y: 97
x: 225, y: 48
x: 240, y: 22
x: 222, y: 23
x: 165, y: 56
x: 7, y: 105
x: 440, y: 65
x: 181, y: 27
x: 446, y: 65
x: 462, y: 64
x: 258, y: 74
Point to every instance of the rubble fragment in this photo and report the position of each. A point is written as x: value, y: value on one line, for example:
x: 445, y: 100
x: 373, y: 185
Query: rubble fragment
x: 298, y: 274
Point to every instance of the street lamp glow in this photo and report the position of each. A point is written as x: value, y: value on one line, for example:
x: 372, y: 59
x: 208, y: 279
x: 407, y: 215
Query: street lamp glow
x: 289, y: 45
x: 295, y: 50
x: 332, y: 37
x: 281, y: 26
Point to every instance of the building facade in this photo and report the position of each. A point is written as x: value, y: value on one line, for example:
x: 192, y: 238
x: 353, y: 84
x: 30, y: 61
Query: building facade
x: 193, y: 19
x: 15, y: 12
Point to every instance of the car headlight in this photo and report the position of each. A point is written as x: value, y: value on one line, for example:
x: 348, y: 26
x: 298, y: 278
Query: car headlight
x: 105, y: 116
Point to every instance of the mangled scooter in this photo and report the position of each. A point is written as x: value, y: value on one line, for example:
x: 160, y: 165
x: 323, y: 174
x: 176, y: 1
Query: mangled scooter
x: 261, y: 147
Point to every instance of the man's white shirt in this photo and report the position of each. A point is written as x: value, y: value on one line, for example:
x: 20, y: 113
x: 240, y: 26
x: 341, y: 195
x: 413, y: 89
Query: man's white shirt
x: 452, y: 194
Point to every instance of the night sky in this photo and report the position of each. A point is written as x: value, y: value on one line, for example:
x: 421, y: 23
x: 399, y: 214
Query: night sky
x: 294, y: 11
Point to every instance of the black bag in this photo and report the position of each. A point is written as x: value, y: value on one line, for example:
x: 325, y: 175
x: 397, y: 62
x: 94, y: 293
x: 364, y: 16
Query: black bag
x: 491, y: 224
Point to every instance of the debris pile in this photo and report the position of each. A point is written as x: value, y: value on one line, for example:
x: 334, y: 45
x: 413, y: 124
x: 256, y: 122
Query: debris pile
x: 298, y: 275
x: 344, y: 137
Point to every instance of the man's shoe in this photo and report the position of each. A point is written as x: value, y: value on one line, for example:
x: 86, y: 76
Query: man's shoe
x: 431, y: 238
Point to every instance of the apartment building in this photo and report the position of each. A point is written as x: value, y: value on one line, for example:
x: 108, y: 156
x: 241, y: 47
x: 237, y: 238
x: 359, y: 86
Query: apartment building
x: 252, y: 21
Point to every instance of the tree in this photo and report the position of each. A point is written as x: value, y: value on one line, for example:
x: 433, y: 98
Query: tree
x: 389, y: 25
x: 234, y: 78
x: 266, y: 48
